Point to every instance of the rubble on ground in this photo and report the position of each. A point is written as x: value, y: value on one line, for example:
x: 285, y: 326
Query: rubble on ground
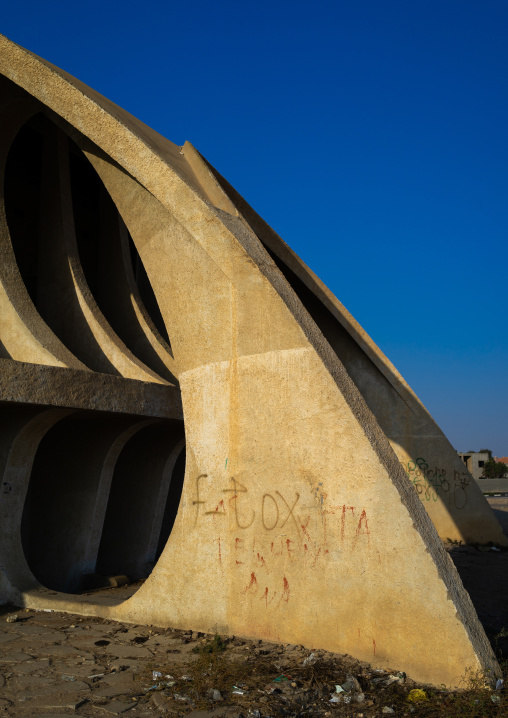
x: 54, y: 665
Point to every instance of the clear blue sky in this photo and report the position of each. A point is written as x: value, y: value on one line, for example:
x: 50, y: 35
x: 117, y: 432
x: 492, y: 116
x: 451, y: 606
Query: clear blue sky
x: 372, y: 135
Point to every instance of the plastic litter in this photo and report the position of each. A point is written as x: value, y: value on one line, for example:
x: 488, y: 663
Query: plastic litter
x: 335, y: 698
x: 493, y: 548
x: 351, y: 684
x: 186, y: 678
x: 499, y: 684
x: 282, y: 677
x: 160, y: 685
x: 239, y: 691
x: 417, y: 695
x: 339, y: 689
x: 495, y: 699
x: 388, y: 680
x: 395, y: 678
x: 310, y: 660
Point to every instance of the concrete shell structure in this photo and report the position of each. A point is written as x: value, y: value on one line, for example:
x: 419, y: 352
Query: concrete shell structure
x: 179, y: 390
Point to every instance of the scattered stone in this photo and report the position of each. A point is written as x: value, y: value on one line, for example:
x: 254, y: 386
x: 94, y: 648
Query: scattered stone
x: 8, y: 637
x: 387, y: 709
x: 57, y: 650
x: 12, y: 618
x: 116, y: 707
x: 126, y: 651
x: 16, y: 657
x: 161, y: 702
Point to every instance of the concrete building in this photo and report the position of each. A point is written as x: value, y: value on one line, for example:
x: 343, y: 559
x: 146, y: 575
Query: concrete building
x: 182, y: 399
x: 474, y: 462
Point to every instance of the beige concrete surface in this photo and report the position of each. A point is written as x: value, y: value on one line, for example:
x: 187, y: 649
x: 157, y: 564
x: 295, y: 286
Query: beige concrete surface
x: 309, y: 463
x: 446, y: 489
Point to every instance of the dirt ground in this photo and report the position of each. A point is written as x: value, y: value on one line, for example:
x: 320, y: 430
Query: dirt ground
x: 485, y: 577
x: 54, y: 665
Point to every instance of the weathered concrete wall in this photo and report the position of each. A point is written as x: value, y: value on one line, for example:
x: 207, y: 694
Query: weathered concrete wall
x: 444, y: 485
x: 296, y: 520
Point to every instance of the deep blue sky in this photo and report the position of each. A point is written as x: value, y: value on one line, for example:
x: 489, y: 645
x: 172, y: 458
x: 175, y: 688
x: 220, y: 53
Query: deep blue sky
x: 372, y: 135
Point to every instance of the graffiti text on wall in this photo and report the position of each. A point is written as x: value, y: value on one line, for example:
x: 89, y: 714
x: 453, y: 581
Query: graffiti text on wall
x: 434, y: 483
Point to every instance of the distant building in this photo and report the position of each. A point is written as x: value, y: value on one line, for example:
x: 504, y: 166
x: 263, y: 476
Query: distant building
x: 474, y: 461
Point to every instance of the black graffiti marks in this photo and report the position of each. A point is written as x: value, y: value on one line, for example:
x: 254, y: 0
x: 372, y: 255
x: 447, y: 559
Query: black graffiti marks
x: 461, y: 481
x: 264, y: 512
x: 271, y: 509
x: 239, y: 489
x: 433, y: 484
x: 198, y: 501
x: 290, y: 510
x: 270, y: 525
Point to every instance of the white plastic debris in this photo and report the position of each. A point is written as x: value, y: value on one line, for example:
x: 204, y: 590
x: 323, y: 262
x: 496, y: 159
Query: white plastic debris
x: 310, y: 660
x: 499, y: 684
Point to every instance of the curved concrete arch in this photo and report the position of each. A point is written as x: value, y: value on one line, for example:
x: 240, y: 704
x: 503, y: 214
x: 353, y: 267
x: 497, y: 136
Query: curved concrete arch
x: 160, y: 505
x: 104, y: 488
x: 67, y: 495
x: 426, y: 455
x: 293, y: 496
x: 15, y: 574
x: 140, y: 477
x: 145, y: 322
x: 224, y: 371
x: 25, y: 336
x: 112, y: 280
x: 82, y: 325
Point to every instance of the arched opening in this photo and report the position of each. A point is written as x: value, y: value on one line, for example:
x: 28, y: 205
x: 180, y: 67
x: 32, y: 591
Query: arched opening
x: 103, y: 495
